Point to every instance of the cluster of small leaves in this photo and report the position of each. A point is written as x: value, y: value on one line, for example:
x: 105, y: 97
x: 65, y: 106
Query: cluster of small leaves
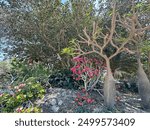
x: 22, y: 70
x: 145, y: 47
x: 87, y: 70
x: 68, y: 51
x: 22, y: 93
x: 64, y: 79
x: 21, y: 109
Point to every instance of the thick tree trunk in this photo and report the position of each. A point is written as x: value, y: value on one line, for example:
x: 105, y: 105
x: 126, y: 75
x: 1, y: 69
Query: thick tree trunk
x: 148, y: 66
x: 109, y: 88
x: 143, y: 85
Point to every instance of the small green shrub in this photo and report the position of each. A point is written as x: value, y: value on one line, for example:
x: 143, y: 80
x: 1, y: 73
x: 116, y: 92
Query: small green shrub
x: 23, y: 70
x: 23, y: 93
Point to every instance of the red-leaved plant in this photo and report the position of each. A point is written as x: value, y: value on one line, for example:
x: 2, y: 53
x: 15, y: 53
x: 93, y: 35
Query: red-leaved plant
x: 83, y: 98
x: 89, y: 70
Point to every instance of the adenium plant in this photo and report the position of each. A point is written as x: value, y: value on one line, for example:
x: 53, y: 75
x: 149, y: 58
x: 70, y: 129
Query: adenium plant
x: 82, y: 98
x: 88, y: 70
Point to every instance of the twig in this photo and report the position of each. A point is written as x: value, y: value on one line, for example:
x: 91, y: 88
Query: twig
x: 98, y: 90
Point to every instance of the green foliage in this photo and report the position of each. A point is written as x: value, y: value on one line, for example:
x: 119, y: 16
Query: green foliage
x: 44, y: 28
x: 26, y: 87
x: 68, y: 51
x: 142, y: 6
x: 120, y: 39
x: 64, y: 79
x: 5, y: 67
x: 145, y: 46
x: 20, y: 109
x: 23, y: 70
x: 30, y: 91
x: 139, y: 5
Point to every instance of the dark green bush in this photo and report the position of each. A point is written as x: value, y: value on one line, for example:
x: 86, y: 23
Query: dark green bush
x: 64, y: 79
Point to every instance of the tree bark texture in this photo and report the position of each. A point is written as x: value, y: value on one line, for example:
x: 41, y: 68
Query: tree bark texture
x: 148, y: 66
x: 109, y: 88
x: 143, y: 85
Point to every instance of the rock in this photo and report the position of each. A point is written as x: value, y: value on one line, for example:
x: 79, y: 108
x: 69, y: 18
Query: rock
x: 63, y: 94
x: 49, y: 97
x: 58, y: 93
x: 52, y: 96
x: 97, y: 110
x: 46, y: 103
x: 39, y: 102
x: 60, y: 102
x: 55, y: 108
x: 53, y: 101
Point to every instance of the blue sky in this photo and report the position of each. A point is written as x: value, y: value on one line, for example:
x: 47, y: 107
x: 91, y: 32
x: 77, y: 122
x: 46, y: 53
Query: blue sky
x: 64, y: 1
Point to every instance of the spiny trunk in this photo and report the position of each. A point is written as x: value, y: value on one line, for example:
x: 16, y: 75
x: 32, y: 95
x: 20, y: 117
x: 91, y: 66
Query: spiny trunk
x: 109, y: 88
x: 143, y: 85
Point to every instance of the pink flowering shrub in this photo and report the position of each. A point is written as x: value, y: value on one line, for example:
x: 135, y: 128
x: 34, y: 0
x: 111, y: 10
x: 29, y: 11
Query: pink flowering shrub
x: 88, y: 70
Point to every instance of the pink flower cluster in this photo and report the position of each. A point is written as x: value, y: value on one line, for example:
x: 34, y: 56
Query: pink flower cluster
x: 86, y: 67
x: 1, y: 94
x: 19, y: 87
x: 19, y: 109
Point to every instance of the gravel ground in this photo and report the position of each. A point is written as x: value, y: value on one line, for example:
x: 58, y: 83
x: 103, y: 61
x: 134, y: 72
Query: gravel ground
x: 58, y: 100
